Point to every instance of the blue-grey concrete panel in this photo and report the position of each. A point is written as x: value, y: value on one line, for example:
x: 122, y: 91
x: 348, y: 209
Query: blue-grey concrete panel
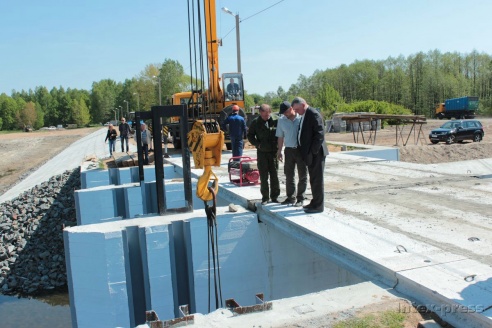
x: 94, y: 178
x: 133, y: 202
x: 389, y: 154
x: 124, y: 176
x: 92, y: 206
x: 98, y: 281
x: 241, y: 260
x: 135, y: 279
x: 157, y: 249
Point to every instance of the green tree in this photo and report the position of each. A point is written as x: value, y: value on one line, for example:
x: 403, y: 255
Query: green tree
x: 173, y: 79
x: 8, y: 112
x: 103, y: 100
x: 39, y: 117
x: 26, y: 116
x: 81, y: 115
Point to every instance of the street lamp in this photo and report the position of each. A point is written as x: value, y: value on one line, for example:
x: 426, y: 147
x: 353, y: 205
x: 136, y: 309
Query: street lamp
x: 159, y: 79
x: 238, y: 42
x: 114, y: 115
x: 127, y: 111
x: 121, y: 111
x: 138, y: 100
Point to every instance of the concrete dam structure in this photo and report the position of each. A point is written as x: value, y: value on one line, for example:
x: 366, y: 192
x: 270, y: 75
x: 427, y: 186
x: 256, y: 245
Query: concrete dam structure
x: 123, y: 260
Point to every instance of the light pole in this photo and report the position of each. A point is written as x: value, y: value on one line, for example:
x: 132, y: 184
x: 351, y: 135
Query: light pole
x: 121, y: 111
x: 138, y: 100
x: 159, y: 79
x: 238, y: 41
x: 114, y: 116
x: 127, y: 111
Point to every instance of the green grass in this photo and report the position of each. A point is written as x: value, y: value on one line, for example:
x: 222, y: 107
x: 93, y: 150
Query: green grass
x: 387, y: 319
x: 9, y: 131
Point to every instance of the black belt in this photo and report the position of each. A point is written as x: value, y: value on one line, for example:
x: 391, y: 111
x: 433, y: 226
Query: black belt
x: 291, y: 147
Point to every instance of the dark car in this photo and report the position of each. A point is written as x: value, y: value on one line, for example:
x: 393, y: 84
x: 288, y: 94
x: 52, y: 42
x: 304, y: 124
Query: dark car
x: 458, y: 130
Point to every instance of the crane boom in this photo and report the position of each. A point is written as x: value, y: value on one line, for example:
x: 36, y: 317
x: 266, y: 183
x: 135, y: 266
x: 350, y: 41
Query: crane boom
x: 215, y: 92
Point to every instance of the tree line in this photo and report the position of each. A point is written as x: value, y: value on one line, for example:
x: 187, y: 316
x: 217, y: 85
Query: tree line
x: 415, y: 84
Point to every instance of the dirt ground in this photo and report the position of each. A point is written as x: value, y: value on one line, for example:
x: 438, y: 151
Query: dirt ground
x: 23, y: 152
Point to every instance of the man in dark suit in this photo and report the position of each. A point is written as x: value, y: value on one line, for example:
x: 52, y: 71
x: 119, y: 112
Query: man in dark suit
x: 311, y: 139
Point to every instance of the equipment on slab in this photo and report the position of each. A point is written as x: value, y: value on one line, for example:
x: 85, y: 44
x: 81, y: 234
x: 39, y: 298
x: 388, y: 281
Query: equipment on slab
x: 243, y: 171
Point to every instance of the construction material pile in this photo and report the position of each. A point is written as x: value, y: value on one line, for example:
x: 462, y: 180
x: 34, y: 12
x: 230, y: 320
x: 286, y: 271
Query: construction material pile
x: 32, y: 258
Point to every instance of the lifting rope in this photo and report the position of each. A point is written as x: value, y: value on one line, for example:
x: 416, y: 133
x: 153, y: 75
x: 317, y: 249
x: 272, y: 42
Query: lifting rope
x: 213, y: 245
x: 205, y: 139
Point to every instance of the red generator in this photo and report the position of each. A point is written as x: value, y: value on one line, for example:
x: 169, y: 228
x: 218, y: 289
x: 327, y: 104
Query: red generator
x: 243, y: 171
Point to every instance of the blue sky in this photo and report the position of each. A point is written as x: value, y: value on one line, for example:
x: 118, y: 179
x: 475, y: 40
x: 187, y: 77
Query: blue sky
x: 71, y: 44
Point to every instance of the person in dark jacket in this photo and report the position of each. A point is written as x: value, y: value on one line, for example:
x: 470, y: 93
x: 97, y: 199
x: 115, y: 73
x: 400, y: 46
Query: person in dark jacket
x: 311, y: 139
x: 261, y: 134
x: 237, y: 130
x: 145, y: 142
x: 124, y: 134
x: 111, y: 138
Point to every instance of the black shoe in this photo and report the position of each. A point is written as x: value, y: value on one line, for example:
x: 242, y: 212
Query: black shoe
x: 298, y: 203
x: 308, y: 206
x: 264, y: 202
x: 275, y: 200
x: 314, y: 210
x: 287, y: 202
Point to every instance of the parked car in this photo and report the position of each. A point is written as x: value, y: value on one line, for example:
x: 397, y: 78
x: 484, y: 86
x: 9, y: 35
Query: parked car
x: 457, y: 131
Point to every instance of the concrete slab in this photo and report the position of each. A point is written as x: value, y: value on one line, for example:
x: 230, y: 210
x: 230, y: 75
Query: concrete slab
x: 387, y: 219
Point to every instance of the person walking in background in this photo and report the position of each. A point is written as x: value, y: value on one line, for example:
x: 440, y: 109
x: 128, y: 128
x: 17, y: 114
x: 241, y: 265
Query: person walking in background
x: 124, y: 134
x: 111, y: 138
x: 313, y: 148
x: 287, y: 132
x: 261, y: 134
x: 236, y: 125
x: 145, y: 142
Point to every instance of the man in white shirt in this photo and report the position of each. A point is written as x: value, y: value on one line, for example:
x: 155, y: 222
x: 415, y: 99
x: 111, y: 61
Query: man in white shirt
x: 287, y: 133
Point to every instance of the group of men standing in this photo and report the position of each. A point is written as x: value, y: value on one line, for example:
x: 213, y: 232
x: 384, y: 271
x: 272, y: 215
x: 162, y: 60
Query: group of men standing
x: 300, y: 131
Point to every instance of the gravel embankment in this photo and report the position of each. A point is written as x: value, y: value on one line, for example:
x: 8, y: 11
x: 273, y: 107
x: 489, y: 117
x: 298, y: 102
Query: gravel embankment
x: 32, y: 258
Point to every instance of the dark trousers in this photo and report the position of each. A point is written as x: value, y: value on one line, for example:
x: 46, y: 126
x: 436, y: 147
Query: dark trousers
x: 268, y: 166
x: 292, y: 159
x: 111, y: 146
x: 237, y: 146
x: 145, y: 149
x: 316, y: 180
x: 123, y: 138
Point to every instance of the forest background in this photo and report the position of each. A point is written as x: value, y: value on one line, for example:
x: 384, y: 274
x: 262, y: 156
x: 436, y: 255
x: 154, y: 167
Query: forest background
x: 411, y: 85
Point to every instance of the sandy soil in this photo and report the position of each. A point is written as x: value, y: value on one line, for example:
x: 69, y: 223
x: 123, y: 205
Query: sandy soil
x: 22, y: 152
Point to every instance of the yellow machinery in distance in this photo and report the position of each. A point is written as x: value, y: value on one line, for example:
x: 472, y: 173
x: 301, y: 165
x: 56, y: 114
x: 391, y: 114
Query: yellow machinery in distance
x: 207, y: 109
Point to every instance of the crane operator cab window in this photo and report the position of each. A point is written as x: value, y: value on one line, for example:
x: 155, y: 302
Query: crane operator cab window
x: 233, y: 87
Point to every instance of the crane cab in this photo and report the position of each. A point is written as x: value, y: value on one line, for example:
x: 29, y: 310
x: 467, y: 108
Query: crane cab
x: 232, y: 84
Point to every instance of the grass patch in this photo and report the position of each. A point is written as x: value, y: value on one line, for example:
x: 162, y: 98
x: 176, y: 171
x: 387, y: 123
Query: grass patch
x: 10, y: 131
x: 387, y: 319
x: 8, y: 172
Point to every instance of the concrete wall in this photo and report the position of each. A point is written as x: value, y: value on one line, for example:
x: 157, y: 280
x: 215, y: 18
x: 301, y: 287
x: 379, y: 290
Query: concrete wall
x: 116, y: 269
x: 120, y: 176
